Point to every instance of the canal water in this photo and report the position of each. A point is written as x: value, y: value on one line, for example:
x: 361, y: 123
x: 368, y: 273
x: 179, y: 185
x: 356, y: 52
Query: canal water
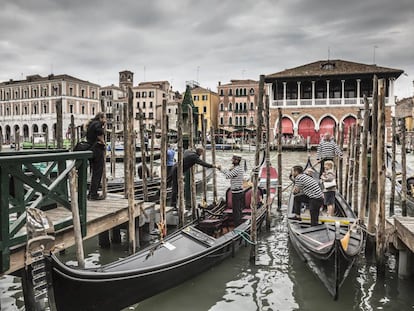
x: 278, y: 280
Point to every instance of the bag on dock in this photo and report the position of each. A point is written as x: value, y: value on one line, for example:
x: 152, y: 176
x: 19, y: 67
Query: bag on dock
x: 82, y: 146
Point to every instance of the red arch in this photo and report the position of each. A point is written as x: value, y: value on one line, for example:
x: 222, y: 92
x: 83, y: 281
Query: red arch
x: 348, y: 122
x: 307, y: 129
x: 287, y: 126
x: 327, y: 126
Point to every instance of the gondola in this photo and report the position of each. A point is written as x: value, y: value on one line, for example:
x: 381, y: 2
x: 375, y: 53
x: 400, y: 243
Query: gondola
x: 273, y: 180
x: 181, y: 256
x: 330, y: 248
x: 398, y: 183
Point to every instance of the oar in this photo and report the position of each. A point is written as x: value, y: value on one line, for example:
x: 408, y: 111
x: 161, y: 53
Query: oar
x: 347, y: 236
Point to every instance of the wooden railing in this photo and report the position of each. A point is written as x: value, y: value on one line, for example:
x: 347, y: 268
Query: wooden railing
x: 37, y: 179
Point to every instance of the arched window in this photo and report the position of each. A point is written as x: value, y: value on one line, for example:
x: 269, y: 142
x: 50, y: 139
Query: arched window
x: 230, y: 92
x: 236, y: 121
x: 230, y: 121
x: 83, y: 109
x: 221, y: 92
x: 236, y: 108
x: 221, y: 121
x: 237, y: 92
x: 82, y: 93
x: 251, y: 120
x: 251, y: 106
x: 251, y: 91
x: 244, y: 120
x: 230, y: 107
x: 221, y: 107
x: 244, y: 92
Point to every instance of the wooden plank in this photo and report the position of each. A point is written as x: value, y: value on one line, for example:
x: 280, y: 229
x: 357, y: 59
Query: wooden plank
x: 404, y: 227
x: 114, y: 217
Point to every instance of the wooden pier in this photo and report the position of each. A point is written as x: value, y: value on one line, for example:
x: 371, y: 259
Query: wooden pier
x: 400, y: 235
x: 102, y: 216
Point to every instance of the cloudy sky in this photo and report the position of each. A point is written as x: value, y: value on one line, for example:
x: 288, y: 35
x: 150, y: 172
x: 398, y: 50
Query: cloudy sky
x: 208, y: 41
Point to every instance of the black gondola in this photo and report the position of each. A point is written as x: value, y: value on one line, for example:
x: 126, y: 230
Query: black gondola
x: 330, y: 248
x: 183, y: 254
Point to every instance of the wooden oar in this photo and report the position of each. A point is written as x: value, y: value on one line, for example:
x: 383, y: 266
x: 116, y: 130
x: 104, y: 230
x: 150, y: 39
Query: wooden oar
x: 347, y: 236
x: 329, y: 219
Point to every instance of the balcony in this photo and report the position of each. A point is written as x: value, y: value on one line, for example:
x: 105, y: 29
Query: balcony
x: 335, y: 102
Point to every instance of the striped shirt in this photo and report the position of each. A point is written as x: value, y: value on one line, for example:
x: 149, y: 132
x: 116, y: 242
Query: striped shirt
x: 235, y: 175
x: 309, y: 186
x: 328, y: 149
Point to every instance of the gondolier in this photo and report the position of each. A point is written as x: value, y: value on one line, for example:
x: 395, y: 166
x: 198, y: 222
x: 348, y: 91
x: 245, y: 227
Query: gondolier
x: 327, y: 150
x: 235, y: 174
x: 306, y: 190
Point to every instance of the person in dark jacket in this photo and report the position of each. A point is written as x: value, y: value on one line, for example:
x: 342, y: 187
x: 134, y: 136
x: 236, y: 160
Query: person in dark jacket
x: 190, y: 158
x: 96, y: 139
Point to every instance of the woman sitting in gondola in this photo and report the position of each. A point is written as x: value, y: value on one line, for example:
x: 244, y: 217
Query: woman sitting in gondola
x: 329, y: 186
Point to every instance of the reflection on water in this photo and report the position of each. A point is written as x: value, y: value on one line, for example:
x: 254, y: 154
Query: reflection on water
x: 278, y: 281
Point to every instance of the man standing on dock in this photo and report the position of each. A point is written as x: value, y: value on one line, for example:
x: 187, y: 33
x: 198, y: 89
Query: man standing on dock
x: 327, y: 150
x: 190, y: 158
x: 96, y: 139
x: 235, y: 174
x: 170, y: 159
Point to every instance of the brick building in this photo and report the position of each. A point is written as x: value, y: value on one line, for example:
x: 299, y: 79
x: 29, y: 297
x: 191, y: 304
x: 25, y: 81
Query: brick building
x: 325, y: 96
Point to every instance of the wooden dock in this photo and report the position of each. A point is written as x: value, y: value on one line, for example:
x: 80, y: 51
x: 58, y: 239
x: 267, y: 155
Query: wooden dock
x: 400, y: 234
x: 101, y: 216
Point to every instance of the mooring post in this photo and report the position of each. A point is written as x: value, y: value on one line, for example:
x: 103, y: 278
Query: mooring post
x: 279, y: 160
x: 381, y: 246
x: 404, y: 170
x: 269, y: 200
x: 73, y: 185
x: 130, y: 145
x: 259, y: 128
x: 143, y: 153
x: 151, y: 172
x: 364, y: 162
x: 180, y: 179
x: 213, y: 159
x: 355, y: 186
x: 393, y: 173
x: 373, y: 187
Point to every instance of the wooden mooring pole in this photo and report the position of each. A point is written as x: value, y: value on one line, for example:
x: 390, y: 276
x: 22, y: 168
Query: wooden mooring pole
x: 193, y: 190
x: 403, y: 169
x: 203, y: 144
x: 269, y: 200
x: 373, y: 187
x: 151, y: 172
x: 73, y: 186
x: 364, y: 163
x: 393, y: 173
x: 163, y: 149
x: 259, y: 129
x: 341, y: 161
x: 279, y: 160
x: 180, y: 179
x: 143, y: 154
x: 72, y: 132
x: 381, y: 246
x: 129, y: 144
x: 355, y: 186
x: 213, y: 160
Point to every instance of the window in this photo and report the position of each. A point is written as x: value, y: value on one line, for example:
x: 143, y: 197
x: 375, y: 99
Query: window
x: 144, y: 94
x: 34, y: 93
x: 221, y: 107
x: 151, y: 115
x: 230, y: 92
x: 93, y: 110
x: 237, y: 92
x: 143, y: 105
x: 230, y: 121
x: 221, y: 121
x: 204, y: 97
x: 137, y: 105
x: 196, y: 97
x: 151, y: 94
x: 70, y: 108
x: 16, y: 95
x: 44, y: 108
x: 221, y: 92
x: 150, y: 105
x: 251, y: 120
x: 137, y: 94
x: 251, y: 91
x: 230, y: 107
x: 25, y: 110
x: 44, y: 92
x: 204, y: 109
x: 82, y: 93
x: 102, y: 93
x: 70, y: 91
x: 93, y: 94
x: 83, y: 109
x: 35, y: 109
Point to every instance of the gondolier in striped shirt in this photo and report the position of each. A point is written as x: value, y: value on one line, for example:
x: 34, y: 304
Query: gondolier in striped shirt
x: 235, y: 174
x: 306, y: 190
x: 327, y: 150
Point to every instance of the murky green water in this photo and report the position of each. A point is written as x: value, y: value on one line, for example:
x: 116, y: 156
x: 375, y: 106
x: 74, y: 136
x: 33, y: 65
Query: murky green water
x: 278, y: 280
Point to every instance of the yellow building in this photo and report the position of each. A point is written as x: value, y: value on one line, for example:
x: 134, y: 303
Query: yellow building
x: 207, y: 103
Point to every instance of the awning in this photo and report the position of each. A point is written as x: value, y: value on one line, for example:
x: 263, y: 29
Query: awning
x: 287, y: 126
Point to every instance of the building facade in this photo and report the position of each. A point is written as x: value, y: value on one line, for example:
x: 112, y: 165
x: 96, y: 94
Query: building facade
x: 325, y: 96
x: 29, y: 106
x: 237, y: 107
x: 207, y: 103
x: 113, y: 98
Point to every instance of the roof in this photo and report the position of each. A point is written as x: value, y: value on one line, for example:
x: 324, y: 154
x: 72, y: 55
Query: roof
x: 335, y: 67
x: 199, y: 89
x: 51, y: 77
x: 240, y: 82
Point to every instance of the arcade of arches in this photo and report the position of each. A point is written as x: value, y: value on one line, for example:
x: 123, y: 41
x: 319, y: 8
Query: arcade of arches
x: 25, y: 131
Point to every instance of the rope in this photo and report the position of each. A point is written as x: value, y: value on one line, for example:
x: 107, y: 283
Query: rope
x: 245, y: 236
